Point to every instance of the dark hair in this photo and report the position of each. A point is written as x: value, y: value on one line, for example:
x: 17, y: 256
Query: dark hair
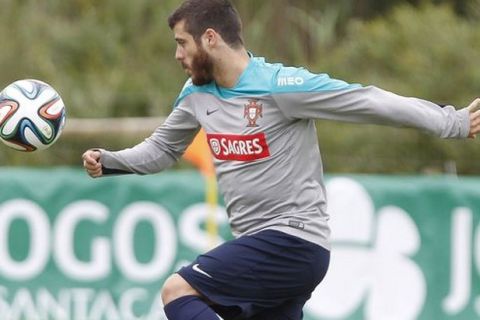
x: 199, y: 15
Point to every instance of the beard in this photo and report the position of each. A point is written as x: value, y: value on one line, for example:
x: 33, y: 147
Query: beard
x: 202, y: 68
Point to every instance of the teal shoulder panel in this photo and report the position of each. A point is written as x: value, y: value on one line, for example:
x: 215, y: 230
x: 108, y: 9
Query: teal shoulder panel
x: 187, y: 90
x: 291, y: 79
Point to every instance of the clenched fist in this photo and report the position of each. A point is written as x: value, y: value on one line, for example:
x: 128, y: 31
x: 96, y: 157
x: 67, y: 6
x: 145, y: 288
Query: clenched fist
x: 92, y: 164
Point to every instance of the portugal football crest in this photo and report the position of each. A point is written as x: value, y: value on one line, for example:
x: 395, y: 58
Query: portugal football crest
x: 252, y: 112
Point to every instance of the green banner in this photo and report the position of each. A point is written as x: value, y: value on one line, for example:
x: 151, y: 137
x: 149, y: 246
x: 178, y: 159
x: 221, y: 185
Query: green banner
x: 72, y: 247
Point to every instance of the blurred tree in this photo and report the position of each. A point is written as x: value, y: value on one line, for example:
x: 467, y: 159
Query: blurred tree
x: 427, y: 52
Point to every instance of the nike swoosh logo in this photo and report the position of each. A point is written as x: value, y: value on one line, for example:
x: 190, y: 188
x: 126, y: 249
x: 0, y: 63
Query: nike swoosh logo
x: 209, y: 112
x: 197, y: 269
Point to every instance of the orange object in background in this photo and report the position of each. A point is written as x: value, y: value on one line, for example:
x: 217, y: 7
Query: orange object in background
x: 198, y: 153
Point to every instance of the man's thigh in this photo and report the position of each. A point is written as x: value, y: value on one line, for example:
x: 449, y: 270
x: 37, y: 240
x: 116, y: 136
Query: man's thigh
x: 245, y: 276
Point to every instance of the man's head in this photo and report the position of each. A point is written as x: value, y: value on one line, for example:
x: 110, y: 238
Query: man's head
x: 199, y: 23
x: 200, y: 15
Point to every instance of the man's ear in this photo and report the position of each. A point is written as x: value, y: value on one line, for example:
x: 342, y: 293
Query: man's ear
x: 210, y: 37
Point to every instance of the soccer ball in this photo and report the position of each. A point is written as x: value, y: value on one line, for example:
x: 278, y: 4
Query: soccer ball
x: 32, y: 115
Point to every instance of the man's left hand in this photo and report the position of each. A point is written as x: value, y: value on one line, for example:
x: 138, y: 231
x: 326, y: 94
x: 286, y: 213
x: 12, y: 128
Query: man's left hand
x: 474, y: 109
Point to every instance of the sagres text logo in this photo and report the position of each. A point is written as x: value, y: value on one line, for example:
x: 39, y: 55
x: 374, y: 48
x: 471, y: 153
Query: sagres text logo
x: 253, y: 110
x: 238, y: 147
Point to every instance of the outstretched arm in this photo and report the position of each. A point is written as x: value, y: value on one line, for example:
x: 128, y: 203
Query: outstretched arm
x: 162, y: 149
x: 319, y: 96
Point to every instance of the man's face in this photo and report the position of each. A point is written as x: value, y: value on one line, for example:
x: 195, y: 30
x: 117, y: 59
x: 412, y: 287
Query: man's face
x: 194, y: 59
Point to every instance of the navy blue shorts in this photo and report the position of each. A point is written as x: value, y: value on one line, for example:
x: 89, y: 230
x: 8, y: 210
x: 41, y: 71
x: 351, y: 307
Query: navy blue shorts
x: 268, y: 275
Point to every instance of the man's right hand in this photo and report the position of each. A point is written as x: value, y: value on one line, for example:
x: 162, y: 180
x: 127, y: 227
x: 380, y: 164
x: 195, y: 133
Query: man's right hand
x: 92, y: 164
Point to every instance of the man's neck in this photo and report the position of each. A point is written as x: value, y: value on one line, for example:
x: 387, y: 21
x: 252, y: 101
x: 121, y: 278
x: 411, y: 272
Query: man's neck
x: 230, y: 66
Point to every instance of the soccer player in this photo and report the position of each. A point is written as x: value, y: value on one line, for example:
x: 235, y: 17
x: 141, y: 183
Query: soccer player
x: 259, y: 121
